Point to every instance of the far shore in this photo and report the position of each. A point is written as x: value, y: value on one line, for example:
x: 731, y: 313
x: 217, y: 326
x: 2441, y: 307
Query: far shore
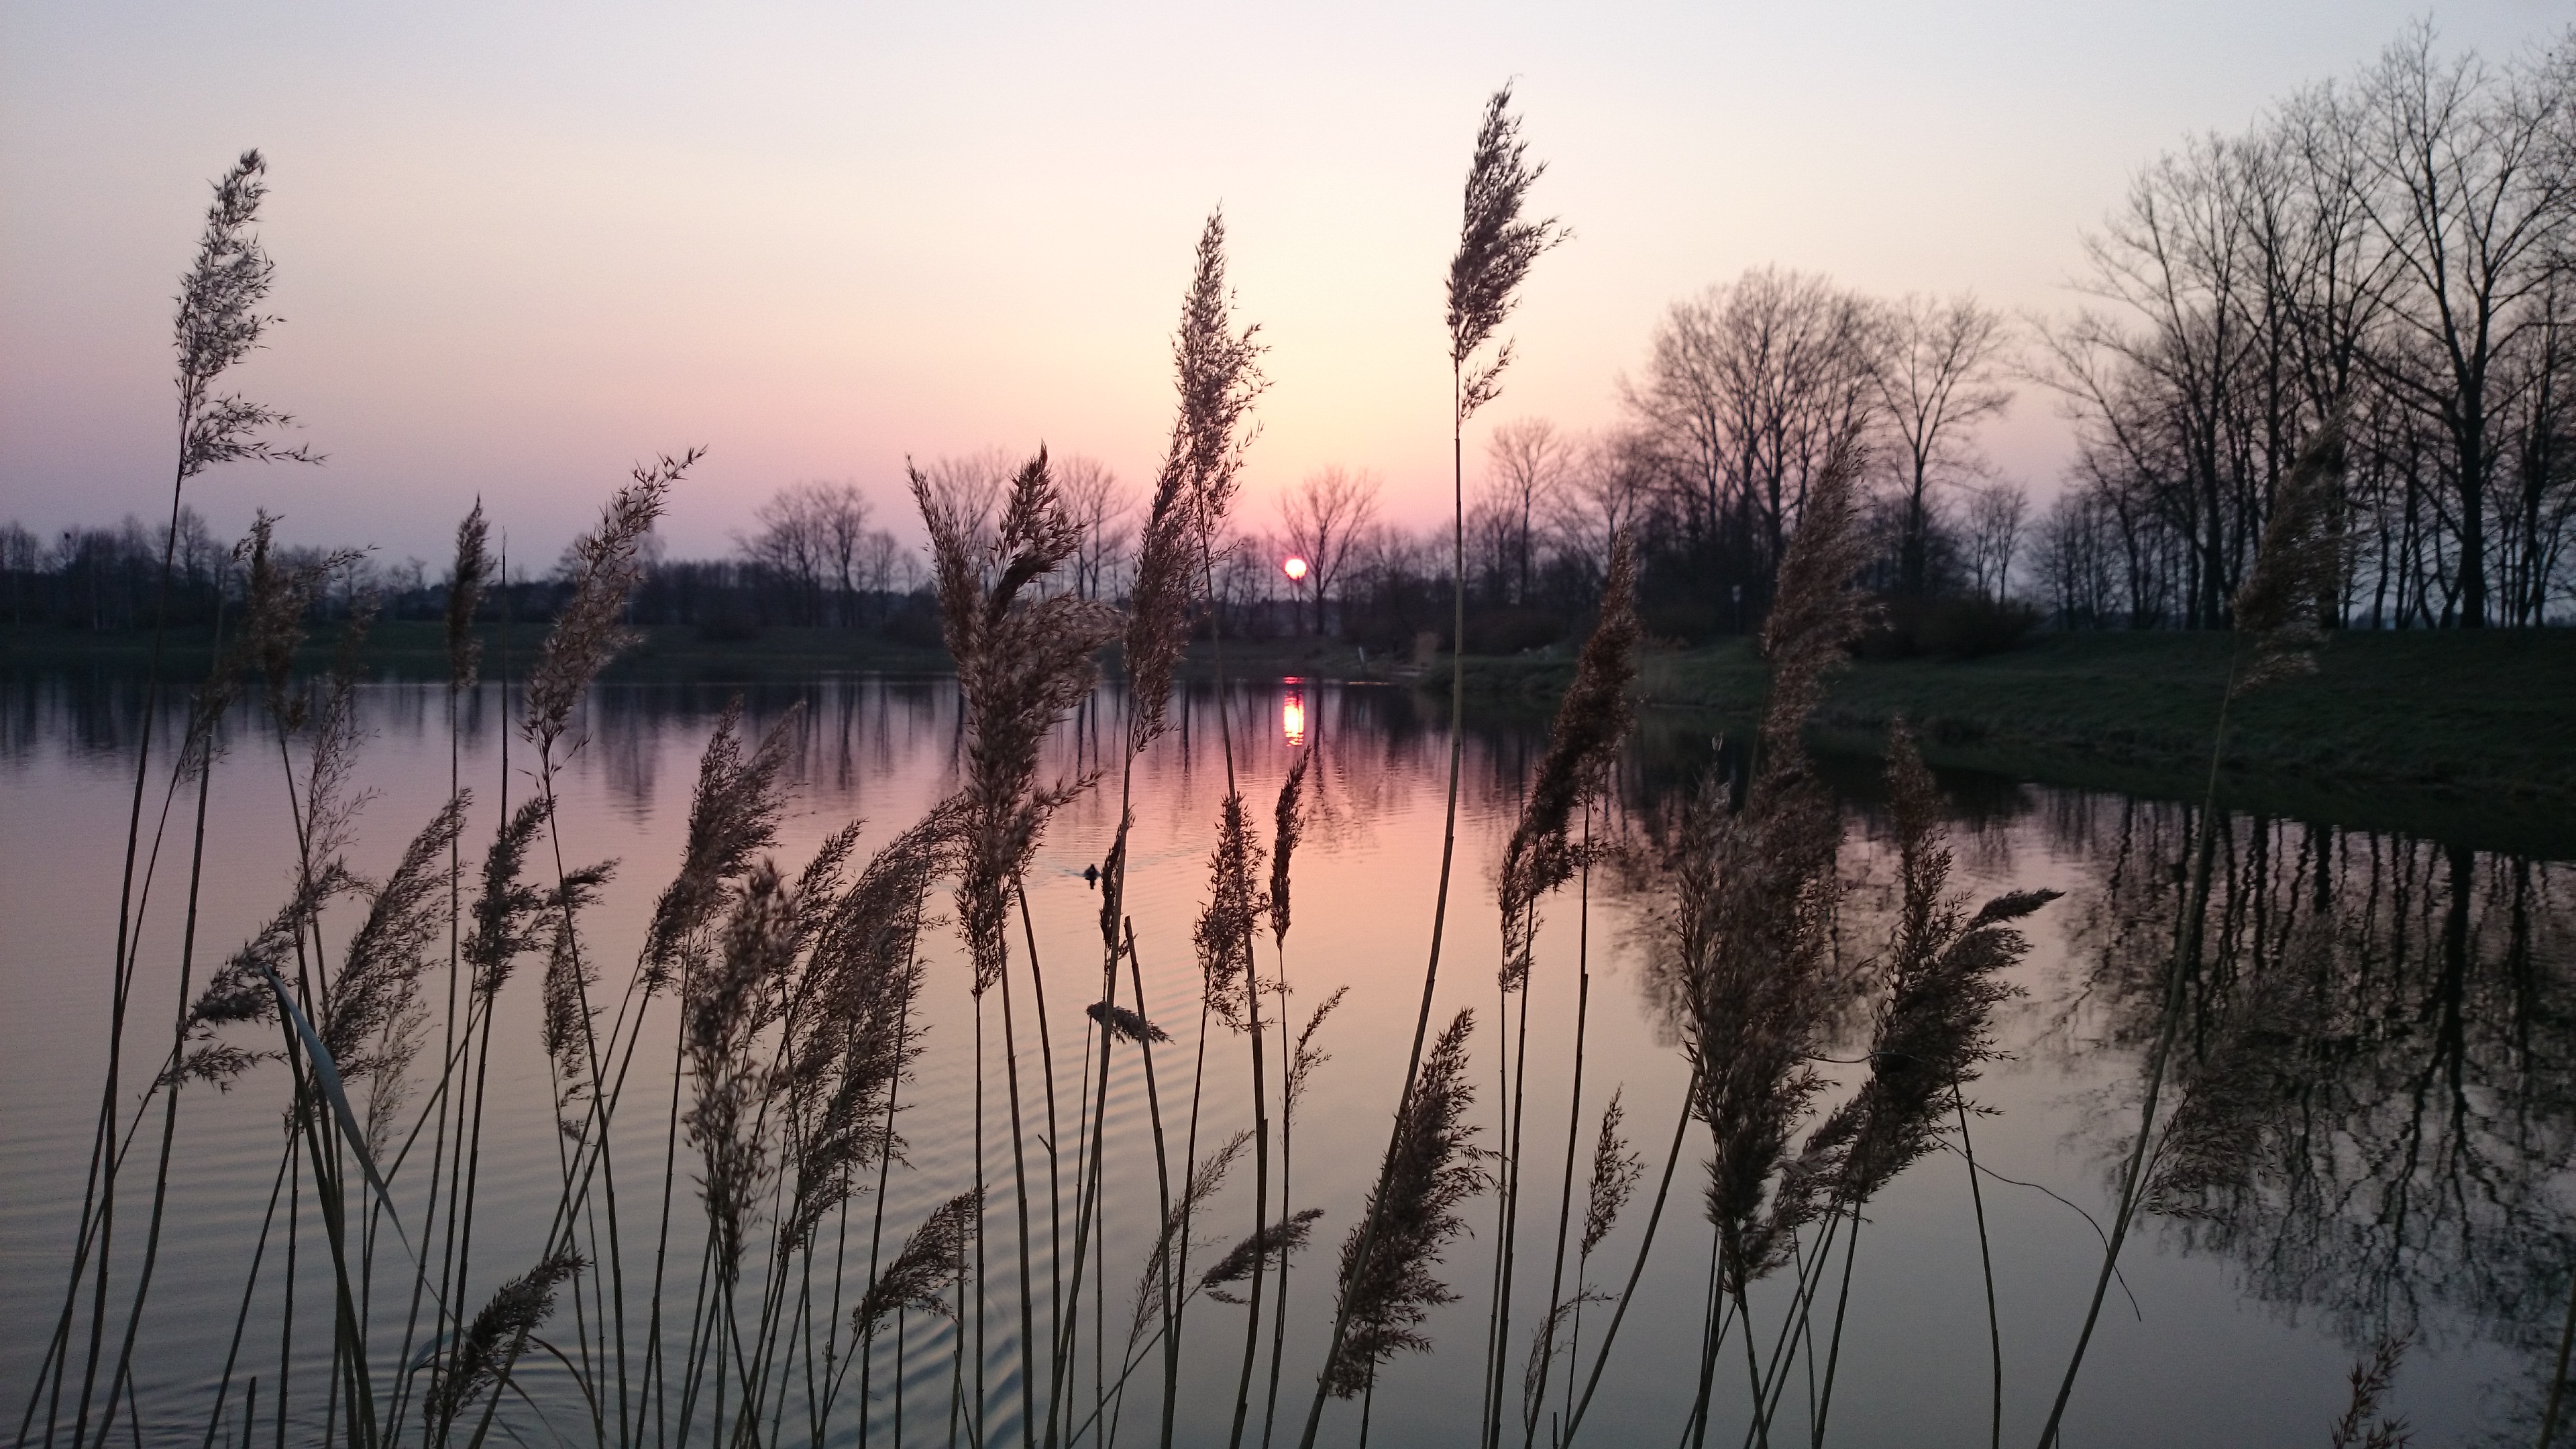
x: 2463, y: 735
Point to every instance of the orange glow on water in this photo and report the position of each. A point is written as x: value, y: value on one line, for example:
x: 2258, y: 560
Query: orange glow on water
x: 1292, y: 718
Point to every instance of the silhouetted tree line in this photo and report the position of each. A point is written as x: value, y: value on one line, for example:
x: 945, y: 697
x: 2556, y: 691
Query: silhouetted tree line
x: 2398, y: 249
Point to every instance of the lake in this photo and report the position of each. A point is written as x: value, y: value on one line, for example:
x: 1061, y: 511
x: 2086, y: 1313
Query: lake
x: 2374, y: 1090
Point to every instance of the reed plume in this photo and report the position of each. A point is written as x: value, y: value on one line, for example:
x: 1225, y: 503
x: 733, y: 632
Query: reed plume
x: 932, y: 1260
x: 1022, y: 661
x: 607, y: 564
x: 1202, y: 1183
x: 1217, y: 370
x: 238, y: 991
x: 2297, y: 572
x: 1582, y: 745
x: 733, y: 816
x: 1497, y: 246
x: 1387, y: 1285
x: 505, y: 909
x: 373, y: 1022
x: 1756, y: 900
x: 1220, y: 379
x: 491, y: 1345
x: 1269, y: 1245
x: 1224, y: 931
x: 465, y: 584
x: 1615, y: 1173
x: 724, y: 1007
x: 851, y: 1037
x: 2371, y: 1379
x: 1306, y: 1056
x: 1288, y: 827
x: 1934, y: 1022
x: 1124, y: 1025
x: 566, y: 1025
x: 219, y: 323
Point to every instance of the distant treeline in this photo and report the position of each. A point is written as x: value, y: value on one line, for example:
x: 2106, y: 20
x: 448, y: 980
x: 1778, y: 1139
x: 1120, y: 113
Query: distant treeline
x: 2396, y: 250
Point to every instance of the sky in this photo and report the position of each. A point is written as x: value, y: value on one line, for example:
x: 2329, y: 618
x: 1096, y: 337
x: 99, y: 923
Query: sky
x: 521, y: 247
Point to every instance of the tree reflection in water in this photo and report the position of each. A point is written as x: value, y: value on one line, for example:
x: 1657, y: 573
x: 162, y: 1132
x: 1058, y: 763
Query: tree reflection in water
x: 2375, y: 1076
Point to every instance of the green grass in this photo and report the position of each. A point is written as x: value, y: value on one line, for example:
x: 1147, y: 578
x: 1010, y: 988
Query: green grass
x: 2453, y: 734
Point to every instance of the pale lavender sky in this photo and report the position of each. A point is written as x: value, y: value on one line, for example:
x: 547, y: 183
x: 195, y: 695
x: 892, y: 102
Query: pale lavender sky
x: 521, y: 246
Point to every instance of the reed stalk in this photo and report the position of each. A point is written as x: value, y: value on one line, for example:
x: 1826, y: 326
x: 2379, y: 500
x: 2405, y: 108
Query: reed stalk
x: 1496, y: 248
x: 218, y: 323
x: 2295, y: 567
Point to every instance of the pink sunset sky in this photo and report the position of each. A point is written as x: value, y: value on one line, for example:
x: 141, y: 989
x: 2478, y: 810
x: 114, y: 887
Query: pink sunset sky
x: 521, y: 246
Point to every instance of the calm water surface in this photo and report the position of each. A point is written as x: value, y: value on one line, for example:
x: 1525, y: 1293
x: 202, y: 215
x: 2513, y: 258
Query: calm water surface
x: 2377, y: 1085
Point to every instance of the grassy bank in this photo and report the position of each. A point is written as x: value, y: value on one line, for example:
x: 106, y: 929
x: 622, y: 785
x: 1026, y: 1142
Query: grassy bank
x: 2457, y: 734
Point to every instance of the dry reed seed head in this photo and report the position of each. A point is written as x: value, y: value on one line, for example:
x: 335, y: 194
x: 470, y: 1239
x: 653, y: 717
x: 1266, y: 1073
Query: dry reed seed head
x: 1414, y: 1206
x: 2298, y: 569
x: 933, y: 1258
x: 238, y: 991
x: 1616, y: 1171
x: 1591, y: 722
x: 1219, y: 374
x: 607, y: 564
x: 1496, y: 246
x: 1752, y: 924
x: 1543, y: 1349
x: 493, y: 1342
x: 1124, y: 1025
x: 371, y: 1023
x: 331, y: 805
x: 1113, y: 893
x: 848, y: 1035
x: 219, y: 323
x: 1271, y: 1246
x: 733, y: 816
x: 1022, y: 662
x: 1933, y: 1023
x: 1288, y: 826
x: 1200, y: 1185
x: 505, y: 909
x: 1160, y: 600
x: 569, y: 977
x: 1305, y: 1056
x: 277, y: 594
x: 466, y: 580
x: 1224, y: 932
x: 723, y: 1005
x: 2372, y: 1378
x: 2250, y: 1048
x: 1815, y: 612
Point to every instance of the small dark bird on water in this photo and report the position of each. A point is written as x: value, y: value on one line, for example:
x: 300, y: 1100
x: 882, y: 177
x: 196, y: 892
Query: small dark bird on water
x: 1091, y: 877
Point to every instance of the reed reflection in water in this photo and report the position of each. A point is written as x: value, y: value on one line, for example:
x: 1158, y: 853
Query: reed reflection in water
x: 2376, y: 1097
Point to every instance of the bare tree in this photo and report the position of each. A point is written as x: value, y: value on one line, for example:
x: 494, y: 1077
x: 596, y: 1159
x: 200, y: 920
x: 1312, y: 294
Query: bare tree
x: 1749, y: 389
x: 1996, y: 514
x: 1938, y: 372
x: 1095, y: 500
x: 1607, y: 487
x: 1528, y: 459
x: 2473, y: 187
x: 810, y: 539
x: 1322, y: 519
